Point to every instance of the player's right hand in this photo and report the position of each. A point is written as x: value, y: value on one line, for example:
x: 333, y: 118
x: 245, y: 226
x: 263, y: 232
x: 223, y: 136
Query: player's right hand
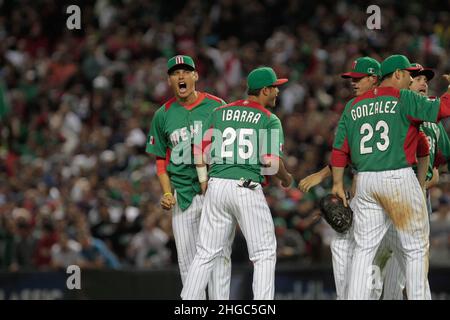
x: 168, y: 201
x: 447, y: 77
x: 338, y: 190
x: 287, y: 182
x: 309, y: 182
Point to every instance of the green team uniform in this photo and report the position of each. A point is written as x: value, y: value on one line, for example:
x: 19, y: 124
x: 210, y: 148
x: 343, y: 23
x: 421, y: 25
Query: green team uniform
x: 239, y: 134
x: 244, y: 131
x: 380, y: 128
x: 439, y: 142
x: 172, y: 133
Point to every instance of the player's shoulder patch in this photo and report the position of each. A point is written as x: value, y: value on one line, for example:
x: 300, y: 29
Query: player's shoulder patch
x: 213, y: 97
x: 169, y: 103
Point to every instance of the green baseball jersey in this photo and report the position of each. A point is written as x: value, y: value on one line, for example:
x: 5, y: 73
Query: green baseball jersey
x: 379, y: 129
x: 242, y: 133
x: 173, y: 130
x: 438, y: 140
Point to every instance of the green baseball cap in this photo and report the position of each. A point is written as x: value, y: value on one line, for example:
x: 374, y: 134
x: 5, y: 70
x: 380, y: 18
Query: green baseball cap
x: 394, y: 62
x: 263, y: 77
x: 362, y: 67
x: 180, y: 61
x: 427, y: 72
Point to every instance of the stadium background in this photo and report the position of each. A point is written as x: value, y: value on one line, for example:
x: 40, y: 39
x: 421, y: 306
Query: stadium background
x: 76, y: 105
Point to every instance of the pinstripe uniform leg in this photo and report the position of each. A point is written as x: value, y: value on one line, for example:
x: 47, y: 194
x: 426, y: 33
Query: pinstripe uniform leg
x: 219, y: 284
x: 185, y: 226
x: 216, y: 227
x: 370, y: 226
x: 400, y: 195
x: 342, y: 246
x: 394, y: 278
x: 413, y: 229
x: 392, y: 270
x: 254, y: 217
x: 224, y: 200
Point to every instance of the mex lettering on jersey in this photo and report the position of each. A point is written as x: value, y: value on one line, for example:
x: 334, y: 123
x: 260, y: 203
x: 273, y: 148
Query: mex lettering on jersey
x: 182, y: 140
x: 185, y: 135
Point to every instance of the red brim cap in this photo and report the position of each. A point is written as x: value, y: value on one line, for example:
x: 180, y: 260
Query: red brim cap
x: 354, y: 75
x: 413, y: 68
x: 428, y: 73
x: 280, y: 82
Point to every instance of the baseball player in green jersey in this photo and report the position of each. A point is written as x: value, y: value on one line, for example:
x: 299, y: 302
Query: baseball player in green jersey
x: 439, y: 150
x: 242, y: 134
x: 379, y: 130
x: 175, y: 127
x: 436, y: 134
x: 365, y: 75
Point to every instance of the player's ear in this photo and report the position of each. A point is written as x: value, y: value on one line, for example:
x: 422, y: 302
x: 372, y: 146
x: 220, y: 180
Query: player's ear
x: 195, y: 75
x: 168, y: 82
x: 374, y: 80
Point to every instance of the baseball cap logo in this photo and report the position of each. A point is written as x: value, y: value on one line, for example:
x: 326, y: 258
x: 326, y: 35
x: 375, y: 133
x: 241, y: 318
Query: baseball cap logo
x: 370, y: 70
x: 179, y: 60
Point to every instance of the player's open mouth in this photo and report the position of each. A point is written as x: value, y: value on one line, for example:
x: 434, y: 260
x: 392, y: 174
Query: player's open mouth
x: 182, y: 86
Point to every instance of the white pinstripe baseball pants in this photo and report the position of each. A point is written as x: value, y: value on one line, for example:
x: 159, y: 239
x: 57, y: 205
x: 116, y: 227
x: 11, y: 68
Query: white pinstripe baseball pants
x: 385, y: 198
x: 342, y: 247
x: 185, y: 226
x: 224, y: 202
x: 393, y: 273
x: 392, y: 266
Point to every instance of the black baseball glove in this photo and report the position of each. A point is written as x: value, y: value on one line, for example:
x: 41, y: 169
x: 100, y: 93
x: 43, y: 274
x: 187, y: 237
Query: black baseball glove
x: 338, y: 217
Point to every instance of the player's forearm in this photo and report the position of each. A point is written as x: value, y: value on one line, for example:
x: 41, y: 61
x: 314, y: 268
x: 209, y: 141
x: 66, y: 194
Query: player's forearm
x: 282, y: 173
x: 164, y: 181
x: 338, y: 176
x: 422, y: 169
x: 434, y: 180
x: 325, y: 173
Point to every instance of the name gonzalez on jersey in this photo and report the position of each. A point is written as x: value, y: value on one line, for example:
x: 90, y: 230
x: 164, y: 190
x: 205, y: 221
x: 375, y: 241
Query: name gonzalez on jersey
x: 373, y: 108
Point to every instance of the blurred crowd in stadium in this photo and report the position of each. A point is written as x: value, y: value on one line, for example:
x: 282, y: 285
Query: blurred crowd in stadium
x: 75, y: 107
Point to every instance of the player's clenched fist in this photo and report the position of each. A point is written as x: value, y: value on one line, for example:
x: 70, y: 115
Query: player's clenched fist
x: 168, y: 201
x: 287, y: 181
x: 338, y: 190
x: 447, y: 77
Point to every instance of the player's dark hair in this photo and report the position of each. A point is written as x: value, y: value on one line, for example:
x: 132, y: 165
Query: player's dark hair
x: 254, y: 92
x: 387, y: 76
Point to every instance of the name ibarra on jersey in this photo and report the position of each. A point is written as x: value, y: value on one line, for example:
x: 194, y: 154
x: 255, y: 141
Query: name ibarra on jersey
x: 373, y: 108
x: 244, y: 116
